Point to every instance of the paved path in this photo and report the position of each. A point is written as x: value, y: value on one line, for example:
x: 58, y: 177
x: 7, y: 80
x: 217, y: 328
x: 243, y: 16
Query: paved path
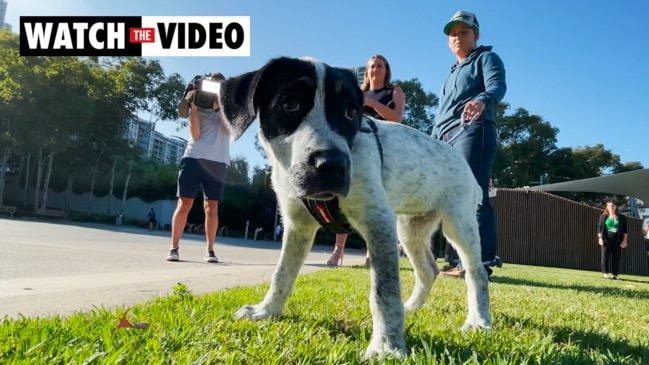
x: 60, y: 268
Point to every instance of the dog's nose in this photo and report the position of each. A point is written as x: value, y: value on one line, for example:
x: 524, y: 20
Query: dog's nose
x: 332, y: 163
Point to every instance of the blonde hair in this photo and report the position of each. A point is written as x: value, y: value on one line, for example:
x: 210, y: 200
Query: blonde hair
x: 388, y: 73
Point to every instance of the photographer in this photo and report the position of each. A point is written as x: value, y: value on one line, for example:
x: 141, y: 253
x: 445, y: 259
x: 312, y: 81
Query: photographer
x: 204, y: 163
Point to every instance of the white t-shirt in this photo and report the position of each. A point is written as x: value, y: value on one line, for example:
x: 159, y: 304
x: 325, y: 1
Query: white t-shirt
x: 214, y: 142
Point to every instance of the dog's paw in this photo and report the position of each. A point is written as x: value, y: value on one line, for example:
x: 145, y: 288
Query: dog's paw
x: 411, y: 305
x: 383, y: 350
x: 483, y: 326
x: 254, y: 312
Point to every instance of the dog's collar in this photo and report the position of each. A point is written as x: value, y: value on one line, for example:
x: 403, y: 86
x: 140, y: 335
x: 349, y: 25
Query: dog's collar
x: 329, y: 215
x: 373, y: 129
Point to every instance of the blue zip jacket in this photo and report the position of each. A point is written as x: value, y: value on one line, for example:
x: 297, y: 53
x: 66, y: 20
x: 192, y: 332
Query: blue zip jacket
x: 480, y: 76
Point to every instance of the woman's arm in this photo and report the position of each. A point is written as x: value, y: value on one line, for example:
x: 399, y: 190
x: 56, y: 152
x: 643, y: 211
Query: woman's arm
x: 387, y: 113
x: 625, y: 235
x: 600, y: 224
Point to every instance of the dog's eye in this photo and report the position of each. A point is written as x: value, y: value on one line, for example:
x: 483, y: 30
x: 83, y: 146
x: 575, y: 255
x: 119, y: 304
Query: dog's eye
x: 291, y: 104
x: 350, y: 113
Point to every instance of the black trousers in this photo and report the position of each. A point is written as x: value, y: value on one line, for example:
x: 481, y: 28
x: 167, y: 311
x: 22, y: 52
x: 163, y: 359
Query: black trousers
x: 646, y: 246
x: 611, y: 252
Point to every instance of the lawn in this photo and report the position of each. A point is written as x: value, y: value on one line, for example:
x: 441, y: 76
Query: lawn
x: 540, y: 316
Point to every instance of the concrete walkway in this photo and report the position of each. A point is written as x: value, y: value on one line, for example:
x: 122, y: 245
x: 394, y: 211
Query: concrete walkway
x: 58, y: 267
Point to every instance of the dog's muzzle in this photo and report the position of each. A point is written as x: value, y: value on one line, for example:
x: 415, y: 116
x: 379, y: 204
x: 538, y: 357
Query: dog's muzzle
x: 325, y: 175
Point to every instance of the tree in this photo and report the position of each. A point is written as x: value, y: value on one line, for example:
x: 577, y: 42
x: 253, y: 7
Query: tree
x: 526, y: 144
x: 146, y: 90
x: 419, y: 105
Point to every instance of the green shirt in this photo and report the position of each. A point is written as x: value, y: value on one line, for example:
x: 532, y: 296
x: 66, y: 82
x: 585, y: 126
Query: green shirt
x: 611, y: 224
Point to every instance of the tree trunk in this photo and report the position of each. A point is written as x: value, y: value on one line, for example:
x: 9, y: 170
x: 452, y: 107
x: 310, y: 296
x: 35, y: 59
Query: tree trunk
x: 39, y: 176
x: 68, y: 192
x: 128, y: 179
x: 46, y: 185
x: 92, y: 183
x: 112, y: 184
x: 3, y: 172
x: 28, y: 166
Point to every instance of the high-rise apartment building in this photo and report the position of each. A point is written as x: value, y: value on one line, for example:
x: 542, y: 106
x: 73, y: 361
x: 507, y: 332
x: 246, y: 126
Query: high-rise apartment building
x: 153, y: 144
x: 3, y: 14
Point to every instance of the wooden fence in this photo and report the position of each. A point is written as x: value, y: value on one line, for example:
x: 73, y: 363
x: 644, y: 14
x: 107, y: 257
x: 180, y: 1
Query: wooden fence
x: 538, y: 228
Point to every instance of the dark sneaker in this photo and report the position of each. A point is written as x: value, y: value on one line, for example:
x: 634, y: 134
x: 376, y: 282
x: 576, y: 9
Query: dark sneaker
x: 498, y: 262
x: 173, y: 255
x: 489, y: 272
x: 210, y: 257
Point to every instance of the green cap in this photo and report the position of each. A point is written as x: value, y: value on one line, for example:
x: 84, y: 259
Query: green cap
x: 462, y: 17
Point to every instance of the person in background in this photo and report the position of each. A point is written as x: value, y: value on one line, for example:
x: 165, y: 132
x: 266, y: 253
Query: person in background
x: 203, y: 165
x: 645, y: 233
x: 151, y: 219
x: 612, y: 238
x: 384, y: 101
x: 467, y: 121
x: 278, y: 232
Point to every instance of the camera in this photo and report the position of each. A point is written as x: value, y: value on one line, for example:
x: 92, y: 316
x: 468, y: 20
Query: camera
x: 205, y: 90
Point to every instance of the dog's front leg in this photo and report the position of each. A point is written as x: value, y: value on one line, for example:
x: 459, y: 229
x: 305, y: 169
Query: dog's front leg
x: 296, y: 245
x: 377, y: 224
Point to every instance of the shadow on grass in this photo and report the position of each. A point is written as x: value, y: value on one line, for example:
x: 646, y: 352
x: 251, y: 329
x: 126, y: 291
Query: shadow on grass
x: 467, y: 347
x: 612, y: 291
x: 586, y: 340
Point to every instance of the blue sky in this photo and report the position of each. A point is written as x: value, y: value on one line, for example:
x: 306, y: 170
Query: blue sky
x: 579, y: 65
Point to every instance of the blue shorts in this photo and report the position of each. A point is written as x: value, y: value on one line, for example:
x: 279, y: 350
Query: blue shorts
x: 195, y: 174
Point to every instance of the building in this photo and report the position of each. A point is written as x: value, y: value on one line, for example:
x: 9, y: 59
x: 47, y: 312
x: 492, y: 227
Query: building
x: 3, y: 13
x: 167, y: 150
x: 175, y: 148
x: 359, y: 72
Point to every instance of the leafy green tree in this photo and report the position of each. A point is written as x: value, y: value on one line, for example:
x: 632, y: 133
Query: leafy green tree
x: 526, y: 142
x: 420, y: 105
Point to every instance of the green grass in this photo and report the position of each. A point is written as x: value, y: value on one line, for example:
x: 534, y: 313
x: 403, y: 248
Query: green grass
x: 540, y: 315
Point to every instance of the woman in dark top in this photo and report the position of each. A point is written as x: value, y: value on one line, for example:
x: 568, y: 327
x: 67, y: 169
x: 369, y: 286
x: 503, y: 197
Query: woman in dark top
x: 382, y: 101
x: 612, y: 238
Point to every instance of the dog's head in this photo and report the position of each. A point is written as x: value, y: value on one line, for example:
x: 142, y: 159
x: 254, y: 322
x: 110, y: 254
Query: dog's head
x: 309, y: 114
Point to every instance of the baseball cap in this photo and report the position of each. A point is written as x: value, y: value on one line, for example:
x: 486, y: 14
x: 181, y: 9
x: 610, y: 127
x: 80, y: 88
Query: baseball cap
x: 462, y: 17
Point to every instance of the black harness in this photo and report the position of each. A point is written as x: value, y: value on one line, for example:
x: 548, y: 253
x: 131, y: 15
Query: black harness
x: 328, y: 213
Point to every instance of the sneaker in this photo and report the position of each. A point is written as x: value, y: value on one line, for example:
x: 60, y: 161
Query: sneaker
x: 497, y: 262
x: 616, y: 277
x: 210, y: 257
x: 173, y: 255
x: 455, y: 272
x: 605, y: 276
x: 448, y: 267
x: 489, y: 272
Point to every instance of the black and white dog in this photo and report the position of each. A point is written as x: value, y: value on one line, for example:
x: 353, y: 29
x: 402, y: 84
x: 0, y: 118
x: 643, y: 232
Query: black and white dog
x: 391, y: 181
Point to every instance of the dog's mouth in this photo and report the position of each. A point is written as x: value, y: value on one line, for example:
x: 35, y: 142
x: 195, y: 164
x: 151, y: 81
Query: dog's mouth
x: 324, y: 196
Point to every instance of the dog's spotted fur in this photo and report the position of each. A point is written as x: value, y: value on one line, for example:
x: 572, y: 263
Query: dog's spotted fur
x: 310, y: 116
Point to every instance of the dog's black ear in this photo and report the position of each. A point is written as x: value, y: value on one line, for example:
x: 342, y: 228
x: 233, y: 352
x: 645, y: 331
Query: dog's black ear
x: 237, y: 102
x: 238, y: 95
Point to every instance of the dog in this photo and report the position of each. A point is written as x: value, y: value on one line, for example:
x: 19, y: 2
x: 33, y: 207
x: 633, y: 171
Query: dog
x: 391, y: 181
